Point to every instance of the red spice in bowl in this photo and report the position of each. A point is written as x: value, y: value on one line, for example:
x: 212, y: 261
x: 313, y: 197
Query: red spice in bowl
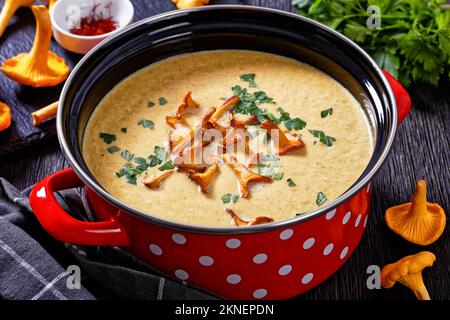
x: 92, y: 27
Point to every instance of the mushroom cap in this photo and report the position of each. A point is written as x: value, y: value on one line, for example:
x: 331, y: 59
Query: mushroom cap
x: 21, y: 69
x: 5, y: 116
x: 419, y: 222
x: 406, y: 266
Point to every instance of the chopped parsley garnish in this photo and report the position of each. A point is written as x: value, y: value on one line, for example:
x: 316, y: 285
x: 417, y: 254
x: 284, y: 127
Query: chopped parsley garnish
x: 113, y: 149
x: 230, y: 198
x: 327, y: 112
x: 284, y: 116
x: 107, y: 137
x: 147, y: 124
x: 326, y: 140
x: 250, y: 78
x: 296, y: 124
x: 162, y: 101
x: 167, y: 166
x: 269, y: 167
x: 150, y: 104
x: 158, y: 157
x: 124, y: 130
x: 129, y: 172
x: 127, y: 155
x: 321, y: 198
x: 249, y: 102
x: 290, y: 182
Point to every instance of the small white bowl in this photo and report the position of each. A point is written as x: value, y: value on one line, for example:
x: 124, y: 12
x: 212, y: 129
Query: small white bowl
x: 65, y: 14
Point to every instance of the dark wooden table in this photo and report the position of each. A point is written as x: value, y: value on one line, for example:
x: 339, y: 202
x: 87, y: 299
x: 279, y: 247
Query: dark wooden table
x: 421, y: 150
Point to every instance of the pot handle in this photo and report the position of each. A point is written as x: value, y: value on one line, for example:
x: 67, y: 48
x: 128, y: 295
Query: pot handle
x: 401, y: 97
x: 59, y: 224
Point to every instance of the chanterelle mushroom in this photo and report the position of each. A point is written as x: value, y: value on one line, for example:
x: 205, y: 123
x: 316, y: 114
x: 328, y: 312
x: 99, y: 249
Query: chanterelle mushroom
x: 204, y: 179
x: 40, y: 67
x: 178, y: 117
x: 5, y: 116
x: 51, y: 3
x: 184, y: 4
x: 418, y: 221
x: 240, y: 222
x: 244, y: 174
x: 154, y: 182
x: 285, y: 144
x: 408, y: 271
x: 8, y: 10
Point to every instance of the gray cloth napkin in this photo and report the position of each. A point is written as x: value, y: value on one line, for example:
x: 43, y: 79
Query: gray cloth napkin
x: 35, y: 266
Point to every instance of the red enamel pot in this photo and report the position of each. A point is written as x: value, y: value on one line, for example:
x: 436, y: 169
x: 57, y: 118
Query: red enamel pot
x: 271, y: 261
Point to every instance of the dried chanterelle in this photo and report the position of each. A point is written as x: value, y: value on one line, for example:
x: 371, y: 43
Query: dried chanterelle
x: 240, y: 222
x: 419, y: 221
x: 184, y: 4
x: 41, y: 67
x: 408, y: 271
x: 8, y: 10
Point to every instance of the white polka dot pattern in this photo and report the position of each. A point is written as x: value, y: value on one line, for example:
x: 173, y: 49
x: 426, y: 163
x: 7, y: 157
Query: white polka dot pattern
x: 286, y: 234
x: 343, y: 253
x: 206, y: 261
x: 346, y: 217
x: 285, y: 270
x: 260, y: 293
x: 234, y: 279
x: 181, y: 274
x: 327, y: 250
x: 307, y: 278
x: 308, y: 243
x: 233, y: 243
x: 155, y: 249
x: 358, y: 220
x: 178, y: 238
x: 260, y: 258
x: 330, y: 214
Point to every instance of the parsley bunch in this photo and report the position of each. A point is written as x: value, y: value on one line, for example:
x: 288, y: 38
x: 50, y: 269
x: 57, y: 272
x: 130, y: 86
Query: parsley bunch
x: 412, y: 43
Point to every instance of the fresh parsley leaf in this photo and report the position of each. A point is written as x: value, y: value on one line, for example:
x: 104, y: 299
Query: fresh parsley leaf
x: 296, y: 124
x: 412, y: 41
x: 160, y: 153
x: 269, y: 166
x: 124, y: 130
x: 147, y: 124
x: 113, y: 149
x: 150, y: 104
x: 326, y: 112
x: 108, y: 138
x: 250, y: 78
x: 326, y: 140
x: 127, y: 155
x: 284, y: 116
x: 167, y: 166
x: 131, y: 179
x: 321, y: 198
x: 141, y: 164
x: 290, y: 182
x: 230, y: 198
x: 162, y: 101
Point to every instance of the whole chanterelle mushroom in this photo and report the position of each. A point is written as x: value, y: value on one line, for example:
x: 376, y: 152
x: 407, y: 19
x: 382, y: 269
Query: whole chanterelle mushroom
x: 184, y: 4
x: 419, y: 221
x: 408, y: 271
x: 41, y: 67
x: 8, y: 10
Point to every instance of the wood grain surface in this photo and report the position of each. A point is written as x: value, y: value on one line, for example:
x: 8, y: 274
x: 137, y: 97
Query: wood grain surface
x: 421, y: 150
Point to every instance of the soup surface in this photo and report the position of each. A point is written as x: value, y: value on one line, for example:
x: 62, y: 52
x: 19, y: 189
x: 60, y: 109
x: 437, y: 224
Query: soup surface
x: 126, y: 141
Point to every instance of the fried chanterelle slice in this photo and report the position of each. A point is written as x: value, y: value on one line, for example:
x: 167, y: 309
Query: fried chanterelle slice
x: 204, y: 179
x: 155, y: 182
x: 215, y: 119
x: 285, y: 144
x: 240, y: 222
x: 244, y: 174
x: 178, y: 116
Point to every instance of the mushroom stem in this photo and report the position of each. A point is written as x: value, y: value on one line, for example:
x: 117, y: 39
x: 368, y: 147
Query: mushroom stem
x: 419, y: 200
x: 415, y: 283
x: 41, y: 44
x: 43, y: 114
x: 8, y: 10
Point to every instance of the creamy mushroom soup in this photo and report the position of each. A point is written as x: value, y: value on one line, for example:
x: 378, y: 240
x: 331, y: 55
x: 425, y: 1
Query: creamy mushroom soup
x: 282, y: 139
